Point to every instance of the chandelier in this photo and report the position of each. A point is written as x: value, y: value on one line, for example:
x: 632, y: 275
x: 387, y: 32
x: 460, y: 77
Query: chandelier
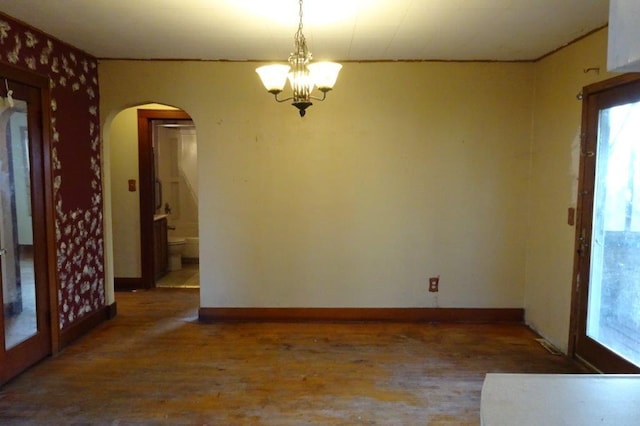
x: 302, y: 75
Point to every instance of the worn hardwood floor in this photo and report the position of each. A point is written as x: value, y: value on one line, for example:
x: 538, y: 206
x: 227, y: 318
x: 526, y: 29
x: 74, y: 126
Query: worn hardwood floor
x: 155, y: 364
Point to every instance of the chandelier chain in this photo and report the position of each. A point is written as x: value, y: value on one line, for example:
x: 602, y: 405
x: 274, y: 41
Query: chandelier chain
x: 300, y: 43
x: 300, y: 17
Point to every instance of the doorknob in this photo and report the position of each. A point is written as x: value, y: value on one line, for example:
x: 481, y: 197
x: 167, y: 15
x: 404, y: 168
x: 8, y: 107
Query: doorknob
x: 3, y: 251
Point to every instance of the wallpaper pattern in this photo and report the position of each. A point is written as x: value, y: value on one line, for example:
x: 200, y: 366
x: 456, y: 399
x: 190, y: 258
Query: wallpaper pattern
x: 75, y: 133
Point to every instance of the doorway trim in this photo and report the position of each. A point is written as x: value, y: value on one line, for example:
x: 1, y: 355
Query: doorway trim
x: 146, y: 185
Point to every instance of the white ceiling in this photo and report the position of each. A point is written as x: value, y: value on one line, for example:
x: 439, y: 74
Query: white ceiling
x: 335, y: 29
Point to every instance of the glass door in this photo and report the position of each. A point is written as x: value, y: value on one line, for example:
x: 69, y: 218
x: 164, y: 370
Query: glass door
x: 25, y: 334
x: 608, y: 336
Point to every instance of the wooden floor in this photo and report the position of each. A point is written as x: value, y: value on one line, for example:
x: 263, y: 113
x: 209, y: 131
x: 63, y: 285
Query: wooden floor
x: 155, y: 364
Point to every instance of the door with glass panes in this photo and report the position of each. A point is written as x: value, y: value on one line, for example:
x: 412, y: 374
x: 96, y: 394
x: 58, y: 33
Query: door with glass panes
x: 607, y: 281
x: 25, y: 325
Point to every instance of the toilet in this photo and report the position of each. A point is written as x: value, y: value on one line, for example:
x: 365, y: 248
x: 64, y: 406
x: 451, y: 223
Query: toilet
x: 176, y: 247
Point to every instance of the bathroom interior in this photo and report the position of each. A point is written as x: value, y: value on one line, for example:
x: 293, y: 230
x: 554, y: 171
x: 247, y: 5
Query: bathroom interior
x: 176, y: 199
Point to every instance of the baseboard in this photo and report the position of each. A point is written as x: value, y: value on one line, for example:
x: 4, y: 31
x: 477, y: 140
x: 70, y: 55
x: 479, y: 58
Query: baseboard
x: 86, y: 324
x: 127, y: 284
x: 112, y: 310
x: 451, y: 315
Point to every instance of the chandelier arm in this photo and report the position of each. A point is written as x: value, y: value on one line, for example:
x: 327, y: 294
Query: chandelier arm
x: 275, y: 95
x: 324, y: 96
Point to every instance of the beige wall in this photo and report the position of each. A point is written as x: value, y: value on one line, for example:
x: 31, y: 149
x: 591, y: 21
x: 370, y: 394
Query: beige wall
x: 554, y: 173
x: 408, y: 170
x: 126, y: 205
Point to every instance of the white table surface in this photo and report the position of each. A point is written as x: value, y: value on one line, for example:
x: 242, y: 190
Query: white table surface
x: 560, y: 399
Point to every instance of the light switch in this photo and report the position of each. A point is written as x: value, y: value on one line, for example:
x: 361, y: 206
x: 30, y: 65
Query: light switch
x: 571, y: 216
x: 132, y: 185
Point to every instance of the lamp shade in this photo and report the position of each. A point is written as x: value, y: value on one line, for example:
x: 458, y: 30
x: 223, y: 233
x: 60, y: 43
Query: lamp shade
x: 324, y: 74
x: 274, y: 77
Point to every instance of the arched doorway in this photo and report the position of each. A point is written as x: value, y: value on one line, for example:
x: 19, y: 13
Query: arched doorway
x: 146, y: 211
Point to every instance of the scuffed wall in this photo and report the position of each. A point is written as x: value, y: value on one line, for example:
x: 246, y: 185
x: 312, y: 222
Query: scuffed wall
x: 554, y: 182
x: 366, y: 197
x: 75, y: 134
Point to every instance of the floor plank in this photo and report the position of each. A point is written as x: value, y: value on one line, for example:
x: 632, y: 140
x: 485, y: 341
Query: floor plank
x: 155, y: 364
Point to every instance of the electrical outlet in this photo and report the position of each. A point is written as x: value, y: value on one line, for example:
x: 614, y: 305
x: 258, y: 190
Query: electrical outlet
x: 433, y: 284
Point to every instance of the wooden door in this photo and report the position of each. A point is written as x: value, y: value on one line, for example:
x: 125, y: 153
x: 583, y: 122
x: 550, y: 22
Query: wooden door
x: 607, y: 281
x: 25, y: 228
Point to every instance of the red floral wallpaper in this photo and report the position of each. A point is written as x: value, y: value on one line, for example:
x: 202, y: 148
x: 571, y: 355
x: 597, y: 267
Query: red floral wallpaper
x: 75, y: 130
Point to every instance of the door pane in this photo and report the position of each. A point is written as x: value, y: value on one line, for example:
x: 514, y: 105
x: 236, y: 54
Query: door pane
x: 613, y: 315
x: 16, y: 232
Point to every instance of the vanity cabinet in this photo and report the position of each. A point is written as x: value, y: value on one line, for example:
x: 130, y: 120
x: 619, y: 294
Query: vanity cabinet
x: 160, y: 247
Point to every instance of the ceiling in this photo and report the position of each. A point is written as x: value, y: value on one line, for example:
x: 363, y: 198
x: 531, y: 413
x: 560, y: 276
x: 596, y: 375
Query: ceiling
x: 355, y: 30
